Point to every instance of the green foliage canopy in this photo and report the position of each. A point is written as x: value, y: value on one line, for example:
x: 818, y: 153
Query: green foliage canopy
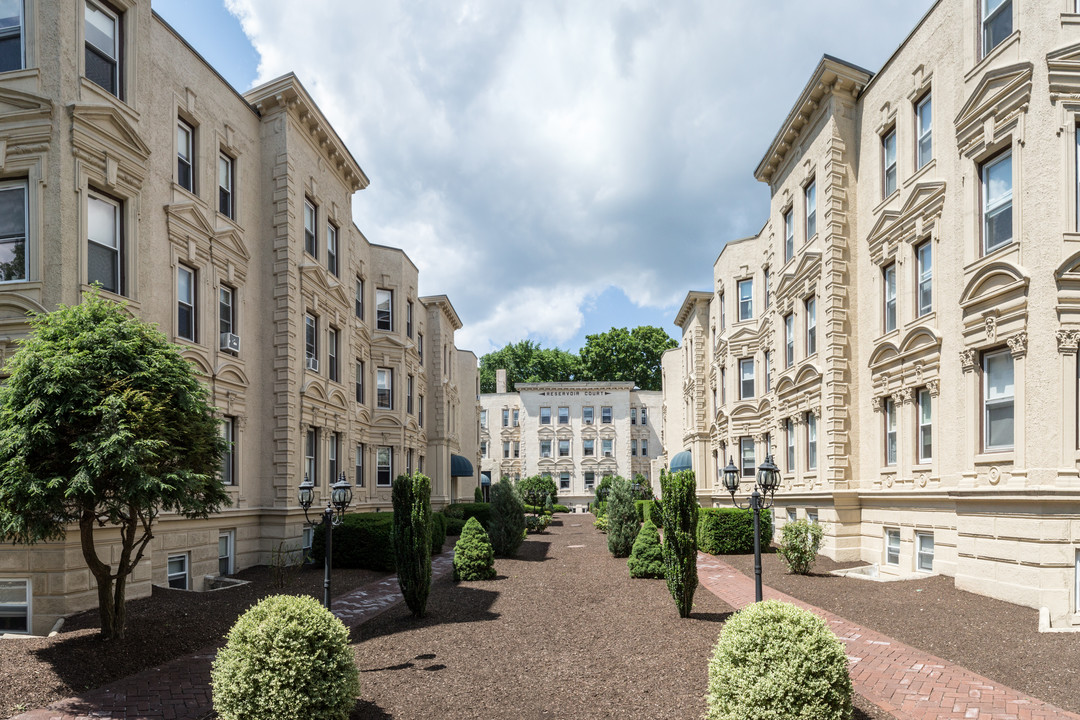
x: 526, y: 361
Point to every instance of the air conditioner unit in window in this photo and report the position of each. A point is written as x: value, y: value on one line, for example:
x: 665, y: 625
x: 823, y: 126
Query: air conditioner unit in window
x: 230, y: 341
x: 313, y: 364
x: 607, y: 454
x: 588, y: 422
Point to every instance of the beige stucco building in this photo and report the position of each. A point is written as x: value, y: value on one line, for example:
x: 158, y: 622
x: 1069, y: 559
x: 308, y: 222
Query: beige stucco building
x: 902, y: 332
x: 575, y: 432
x: 226, y: 219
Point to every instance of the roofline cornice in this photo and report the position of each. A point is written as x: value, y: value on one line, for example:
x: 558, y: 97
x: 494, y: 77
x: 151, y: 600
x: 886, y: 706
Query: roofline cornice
x: 447, y: 308
x: 692, y: 299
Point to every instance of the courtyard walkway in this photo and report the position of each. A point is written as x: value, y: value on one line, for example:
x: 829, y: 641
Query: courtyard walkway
x: 904, y: 681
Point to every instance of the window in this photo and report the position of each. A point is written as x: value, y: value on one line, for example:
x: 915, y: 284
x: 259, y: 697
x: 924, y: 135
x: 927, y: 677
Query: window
x: 925, y: 134
x: 925, y: 299
x: 359, y: 300
x: 633, y: 448
x: 767, y: 273
x: 408, y: 462
x: 633, y: 416
x: 483, y: 419
x: 564, y: 416
x: 605, y: 415
x: 13, y: 214
x: 644, y: 416
x: 332, y: 341
x: 644, y: 448
x: 888, y: 275
x: 177, y: 570
x: 384, y: 466
x: 768, y: 371
x: 185, y: 157
x: 791, y: 515
x: 564, y: 448
x: 384, y: 388
x: 311, y: 340
x: 811, y: 441
x: 420, y: 411
x: 925, y: 421
x: 517, y: 449
x: 408, y: 318
x: 483, y: 448
x: 997, y: 202
x: 306, y: 537
x: 723, y: 314
x: 812, y: 517
x: 587, y: 415
x: 311, y: 449
x: 746, y: 456
x: 185, y: 303
x: 545, y: 448
x: 811, y: 210
x: 409, y: 395
x: 588, y: 447
x: 789, y: 340
x: 310, y: 236
x: 331, y: 248
x: 104, y: 243
x: 515, y: 417
x: 11, y: 45
x: 545, y: 416
x: 789, y: 234
x: 420, y: 351
x: 506, y: 448
x: 359, y: 469
x: 384, y: 305
x: 890, y: 431
x: 225, y: 543
x: 228, y: 458
x: 996, y: 23
x: 888, y: 162
x: 924, y: 552
x: 789, y: 432
x: 102, y: 29
x: 892, y: 547
x: 607, y: 446
x: 746, y: 300
x: 746, y: 378
x: 564, y: 481
x: 998, y: 397
x: 590, y: 480
x: 811, y: 325
x: 505, y: 418
x: 15, y: 598
x: 360, y: 382
x: 226, y: 312
x: 226, y: 166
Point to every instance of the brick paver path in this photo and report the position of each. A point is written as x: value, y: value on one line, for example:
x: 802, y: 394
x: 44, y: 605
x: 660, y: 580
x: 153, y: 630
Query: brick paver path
x: 181, y: 688
x: 909, y: 683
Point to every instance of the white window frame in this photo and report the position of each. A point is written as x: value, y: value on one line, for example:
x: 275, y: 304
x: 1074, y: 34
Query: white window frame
x: 1001, y: 401
x: 10, y: 609
x: 116, y: 249
x: 644, y: 448
x: 384, y: 453
x: 188, y: 331
x: 746, y: 299
x: 789, y: 340
x: 746, y: 378
x: 588, y: 447
x: 545, y: 416
x: 810, y: 306
x: 924, y: 131
x: 170, y: 575
x: 789, y: 234
x: 792, y: 515
x: 24, y: 237
x: 564, y: 481
x: 921, y: 553
x: 311, y: 455
x: 890, y: 431
x: 892, y: 546
x: 384, y: 318
x: 545, y: 448
x: 113, y: 54
x: 333, y: 264
x: 811, y: 441
x: 564, y: 415
x: 358, y: 468
x: 992, y: 207
x: 358, y: 301
x: 409, y: 322
x: 230, y: 551
x: 311, y: 337
x: 607, y: 447
x: 311, y: 228
x: 810, y: 204
x: 588, y: 414
x: 332, y: 456
x: 185, y: 154
x: 747, y: 451
x: 606, y: 415
x: 789, y: 430
x: 226, y: 310
x: 226, y: 185
x: 506, y: 449
x: 228, y: 458
x: 924, y: 266
x: 20, y: 30
x: 924, y: 418
x: 988, y: 15
x: 888, y: 278
x: 564, y: 447
x: 384, y: 388
x: 768, y: 369
x: 888, y: 162
x: 333, y: 345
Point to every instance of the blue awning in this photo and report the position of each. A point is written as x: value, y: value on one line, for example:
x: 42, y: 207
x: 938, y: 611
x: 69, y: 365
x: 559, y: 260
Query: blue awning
x: 460, y: 467
x: 681, y: 461
x: 485, y: 478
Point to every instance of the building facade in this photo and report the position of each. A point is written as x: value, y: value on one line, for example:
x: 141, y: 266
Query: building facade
x: 225, y: 218
x: 576, y: 433
x: 902, y: 333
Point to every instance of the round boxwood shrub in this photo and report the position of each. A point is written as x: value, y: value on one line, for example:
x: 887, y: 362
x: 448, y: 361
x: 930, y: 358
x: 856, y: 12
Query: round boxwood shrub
x: 776, y: 660
x: 647, y: 557
x: 473, y: 557
x: 287, y: 658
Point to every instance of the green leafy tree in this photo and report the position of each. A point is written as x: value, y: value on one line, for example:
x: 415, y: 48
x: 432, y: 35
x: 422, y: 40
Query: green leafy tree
x: 474, y: 558
x: 507, y: 529
x: 526, y: 361
x: 647, y: 557
x: 680, y: 508
x: 534, y: 488
x: 478, y: 494
x: 104, y: 423
x: 411, y: 495
x: 621, y: 355
x: 622, y: 519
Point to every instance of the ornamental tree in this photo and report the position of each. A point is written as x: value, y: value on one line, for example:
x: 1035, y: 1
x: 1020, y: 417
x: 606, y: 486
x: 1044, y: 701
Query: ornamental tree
x: 104, y: 423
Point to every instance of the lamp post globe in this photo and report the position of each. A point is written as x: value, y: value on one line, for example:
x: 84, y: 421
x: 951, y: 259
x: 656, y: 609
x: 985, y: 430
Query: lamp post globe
x: 305, y: 494
x: 768, y: 476
x: 341, y: 494
x: 731, y: 477
x: 768, y: 479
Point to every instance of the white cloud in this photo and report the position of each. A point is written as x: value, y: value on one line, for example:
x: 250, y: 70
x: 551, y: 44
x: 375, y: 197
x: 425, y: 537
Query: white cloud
x: 527, y: 156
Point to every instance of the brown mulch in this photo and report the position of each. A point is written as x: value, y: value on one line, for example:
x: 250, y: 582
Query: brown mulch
x: 993, y: 638
x: 170, y: 623
x: 563, y: 632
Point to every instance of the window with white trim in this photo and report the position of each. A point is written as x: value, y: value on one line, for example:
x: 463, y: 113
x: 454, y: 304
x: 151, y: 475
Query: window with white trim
x: 384, y: 466
x: 587, y: 415
x: 888, y: 276
x: 588, y: 447
x: 999, y: 393
x: 226, y: 552
x: 997, y: 196
x: 226, y: 172
x: 924, y: 552
x: 384, y: 388
x: 360, y: 369
x: 105, y: 248
x: 789, y: 432
x: 358, y: 300
x: 789, y: 340
x: 545, y: 448
x: 227, y: 311
x: 101, y: 28
x: 926, y: 426
x: 810, y: 306
x: 333, y: 340
x: 13, y: 225
x: 15, y: 600
x: 311, y: 455
x: 384, y: 309
x: 810, y: 196
x: 892, y: 547
x: 997, y: 23
x: 564, y: 448
x: 506, y: 449
x: 723, y: 313
x: 177, y: 570
x: 564, y: 416
x: 789, y: 234
x: 811, y: 441
x: 607, y: 446
x: 408, y: 318
x: 185, y: 303
x: 605, y: 415
x: 633, y: 447
x: 185, y: 155
x: 746, y: 378
x: 228, y: 458
x: 746, y: 299
x: 924, y: 301
x: 888, y: 162
x: 11, y: 40
x: 359, y: 468
x: 644, y: 448
x: 768, y: 371
x: 545, y: 416
x: 333, y: 469
x: 924, y: 132
x: 332, y: 248
x: 311, y: 241
x: 311, y: 337
x: 890, y: 431
x: 564, y: 481
x: 746, y: 456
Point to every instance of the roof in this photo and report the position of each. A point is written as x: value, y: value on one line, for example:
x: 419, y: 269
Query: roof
x: 681, y: 461
x: 444, y: 304
x: 692, y: 299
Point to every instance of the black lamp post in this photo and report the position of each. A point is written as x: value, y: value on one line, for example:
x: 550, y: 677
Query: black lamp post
x: 768, y: 479
x: 340, y: 497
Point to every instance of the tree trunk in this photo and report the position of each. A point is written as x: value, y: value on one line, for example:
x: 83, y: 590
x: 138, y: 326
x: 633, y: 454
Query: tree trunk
x: 103, y: 576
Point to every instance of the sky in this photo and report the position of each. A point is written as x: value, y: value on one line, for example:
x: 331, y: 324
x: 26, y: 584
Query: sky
x: 556, y: 168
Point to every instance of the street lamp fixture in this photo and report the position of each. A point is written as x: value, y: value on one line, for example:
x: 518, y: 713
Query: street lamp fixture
x: 340, y: 498
x: 768, y: 479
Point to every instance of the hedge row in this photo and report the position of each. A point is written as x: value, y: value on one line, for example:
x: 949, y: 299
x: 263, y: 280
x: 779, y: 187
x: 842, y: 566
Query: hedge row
x: 362, y: 540
x: 464, y: 511
x: 730, y: 531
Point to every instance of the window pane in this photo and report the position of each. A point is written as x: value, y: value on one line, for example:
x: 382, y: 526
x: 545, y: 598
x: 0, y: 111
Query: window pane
x: 101, y: 267
x: 889, y: 151
x: 925, y: 278
x: 811, y: 210
x: 999, y: 376
x: 925, y: 133
x: 997, y: 202
x: 999, y: 426
x: 13, y: 233
x: 101, y: 221
x: 997, y: 23
x: 101, y: 30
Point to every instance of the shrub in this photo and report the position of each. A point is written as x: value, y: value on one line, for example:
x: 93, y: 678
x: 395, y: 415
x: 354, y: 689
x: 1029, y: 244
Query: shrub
x: 601, y: 524
x: 287, y: 658
x: 600, y: 509
x: 549, y: 506
x: 535, y: 509
x: 557, y: 508
x: 603, y: 488
x: 464, y: 511
x: 537, y: 523
x: 535, y: 488
x: 454, y: 526
x: 507, y: 528
x: 478, y: 494
x: 647, y: 557
x: 411, y: 495
x: 680, y: 541
x: 799, y: 543
x: 473, y: 557
x: 362, y: 540
x: 654, y: 511
x: 775, y: 660
x: 730, y: 531
x: 622, y: 519
x: 438, y: 532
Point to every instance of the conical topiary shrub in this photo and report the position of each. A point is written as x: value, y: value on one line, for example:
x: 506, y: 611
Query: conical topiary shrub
x: 411, y: 538
x: 647, y: 557
x: 680, y: 537
x: 507, y: 528
x: 622, y: 518
x: 473, y: 557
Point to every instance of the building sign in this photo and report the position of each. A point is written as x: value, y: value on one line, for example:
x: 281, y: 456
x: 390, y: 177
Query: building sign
x: 573, y: 393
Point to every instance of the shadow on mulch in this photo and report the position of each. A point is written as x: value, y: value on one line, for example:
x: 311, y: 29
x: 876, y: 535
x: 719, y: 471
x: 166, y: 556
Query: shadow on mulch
x: 475, y: 607
x: 535, y: 551
x: 711, y: 617
x: 367, y: 710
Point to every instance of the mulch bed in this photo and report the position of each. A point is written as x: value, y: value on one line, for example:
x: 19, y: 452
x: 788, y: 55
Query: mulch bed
x: 563, y: 632
x: 993, y: 638
x: 170, y: 623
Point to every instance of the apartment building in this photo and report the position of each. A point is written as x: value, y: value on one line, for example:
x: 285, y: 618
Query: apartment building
x: 225, y: 218
x: 901, y: 334
x: 576, y: 433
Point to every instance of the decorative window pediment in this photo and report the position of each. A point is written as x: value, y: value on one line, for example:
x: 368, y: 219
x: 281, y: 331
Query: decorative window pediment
x: 794, y: 284
x: 993, y: 284
x: 101, y: 128
x: 994, y: 107
x: 917, y: 217
x: 1063, y: 67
